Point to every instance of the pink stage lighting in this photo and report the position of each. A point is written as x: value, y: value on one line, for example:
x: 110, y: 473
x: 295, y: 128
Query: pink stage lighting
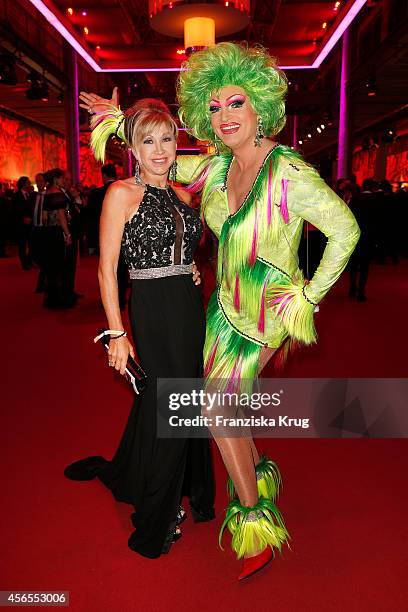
x: 338, y: 32
x: 54, y: 21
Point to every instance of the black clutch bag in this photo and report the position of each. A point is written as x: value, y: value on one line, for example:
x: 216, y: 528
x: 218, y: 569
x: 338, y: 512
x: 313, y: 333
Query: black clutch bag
x: 134, y: 372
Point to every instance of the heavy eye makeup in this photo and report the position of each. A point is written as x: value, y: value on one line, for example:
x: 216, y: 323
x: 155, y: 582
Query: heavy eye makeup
x: 236, y: 101
x: 149, y: 140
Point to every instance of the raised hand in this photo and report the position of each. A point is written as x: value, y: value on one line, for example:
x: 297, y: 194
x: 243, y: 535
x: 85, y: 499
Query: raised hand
x: 94, y: 103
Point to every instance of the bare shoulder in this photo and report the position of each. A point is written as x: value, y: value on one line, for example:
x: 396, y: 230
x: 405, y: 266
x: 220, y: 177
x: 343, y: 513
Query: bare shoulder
x: 183, y: 195
x: 122, y: 199
x: 125, y: 189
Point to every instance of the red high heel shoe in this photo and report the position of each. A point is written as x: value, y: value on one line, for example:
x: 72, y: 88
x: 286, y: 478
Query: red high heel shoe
x: 254, y: 564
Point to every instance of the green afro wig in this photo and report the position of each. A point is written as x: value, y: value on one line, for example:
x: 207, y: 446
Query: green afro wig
x: 227, y: 63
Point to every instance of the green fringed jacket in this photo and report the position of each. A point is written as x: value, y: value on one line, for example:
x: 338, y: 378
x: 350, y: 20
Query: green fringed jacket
x: 260, y: 287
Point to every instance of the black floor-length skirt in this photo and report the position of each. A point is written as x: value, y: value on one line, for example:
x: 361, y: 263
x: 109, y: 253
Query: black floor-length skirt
x: 152, y: 473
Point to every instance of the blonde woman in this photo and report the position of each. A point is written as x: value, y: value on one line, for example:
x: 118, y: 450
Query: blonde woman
x: 157, y: 232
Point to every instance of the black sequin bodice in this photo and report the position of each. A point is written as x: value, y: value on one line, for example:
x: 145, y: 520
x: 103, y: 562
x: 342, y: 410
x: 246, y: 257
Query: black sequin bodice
x: 164, y: 231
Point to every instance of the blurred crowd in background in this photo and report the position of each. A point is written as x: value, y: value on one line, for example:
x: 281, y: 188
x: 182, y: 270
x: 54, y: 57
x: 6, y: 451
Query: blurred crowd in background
x: 53, y: 222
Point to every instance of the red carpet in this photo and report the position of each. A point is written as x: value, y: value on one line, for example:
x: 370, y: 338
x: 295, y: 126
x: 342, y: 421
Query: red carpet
x: 345, y: 501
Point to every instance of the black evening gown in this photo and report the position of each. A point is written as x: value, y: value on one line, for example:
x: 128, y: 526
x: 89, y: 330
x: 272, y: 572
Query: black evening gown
x: 168, y: 326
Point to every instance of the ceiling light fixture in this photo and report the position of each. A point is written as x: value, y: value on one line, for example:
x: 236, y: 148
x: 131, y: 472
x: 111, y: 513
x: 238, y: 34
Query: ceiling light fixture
x: 388, y: 136
x: 199, y: 21
x: 38, y: 89
x: 199, y: 33
x: 328, y: 118
x: 33, y: 77
x: 70, y: 38
x: 371, y: 86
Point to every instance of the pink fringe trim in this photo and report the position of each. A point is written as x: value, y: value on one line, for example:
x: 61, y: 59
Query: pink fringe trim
x: 237, y: 302
x: 270, y: 194
x: 198, y: 184
x: 283, y: 201
x: 211, y: 358
x: 100, y: 116
x: 282, y: 300
x: 261, y: 320
x: 252, y: 258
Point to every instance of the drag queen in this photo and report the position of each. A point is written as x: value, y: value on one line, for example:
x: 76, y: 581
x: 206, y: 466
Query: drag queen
x: 256, y: 194
x: 157, y: 233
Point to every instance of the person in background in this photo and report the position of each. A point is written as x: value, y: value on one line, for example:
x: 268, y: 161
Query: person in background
x: 37, y: 236
x: 363, y: 207
x: 79, y: 193
x: 401, y: 207
x: 386, y: 202
x: 346, y: 189
x: 355, y: 186
x: 94, y: 210
x: 74, y: 206
x: 23, y: 213
x: 4, y: 221
x: 57, y: 240
x: 94, y: 207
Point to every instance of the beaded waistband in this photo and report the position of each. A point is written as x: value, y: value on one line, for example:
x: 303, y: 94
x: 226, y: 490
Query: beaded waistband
x: 173, y: 270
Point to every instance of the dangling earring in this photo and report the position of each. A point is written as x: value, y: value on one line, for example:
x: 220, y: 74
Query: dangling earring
x: 138, y: 179
x: 259, y: 132
x: 173, y: 171
x: 215, y: 145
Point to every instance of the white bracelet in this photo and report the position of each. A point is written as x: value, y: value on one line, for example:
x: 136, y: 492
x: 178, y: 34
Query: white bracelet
x: 110, y: 332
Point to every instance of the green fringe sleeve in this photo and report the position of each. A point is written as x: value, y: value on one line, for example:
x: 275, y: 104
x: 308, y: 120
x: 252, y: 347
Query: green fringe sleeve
x: 189, y: 167
x: 310, y: 198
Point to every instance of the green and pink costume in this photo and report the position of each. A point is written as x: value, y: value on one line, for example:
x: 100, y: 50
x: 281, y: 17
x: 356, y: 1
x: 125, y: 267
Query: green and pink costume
x: 261, y: 299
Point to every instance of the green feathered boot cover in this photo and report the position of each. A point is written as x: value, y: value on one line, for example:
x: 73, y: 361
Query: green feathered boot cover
x: 254, y: 528
x: 268, y: 480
